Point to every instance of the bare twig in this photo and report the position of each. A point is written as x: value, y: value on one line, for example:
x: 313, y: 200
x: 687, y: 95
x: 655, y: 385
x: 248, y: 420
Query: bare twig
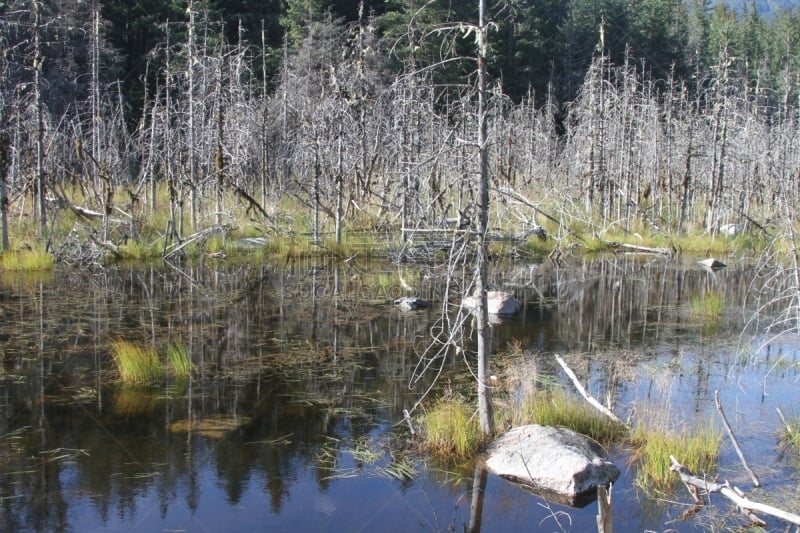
x: 408, y: 420
x: 596, y: 404
x: 783, y: 419
x: 753, y: 476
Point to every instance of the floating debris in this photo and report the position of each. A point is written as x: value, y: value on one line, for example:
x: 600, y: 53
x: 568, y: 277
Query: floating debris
x: 213, y: 427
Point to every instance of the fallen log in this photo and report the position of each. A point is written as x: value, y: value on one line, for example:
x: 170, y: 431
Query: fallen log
x: 733, y: 494
x: 614, y: 245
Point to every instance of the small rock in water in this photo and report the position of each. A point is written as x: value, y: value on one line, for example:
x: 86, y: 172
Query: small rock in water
x: 412, y: 303
x: 713, y: 264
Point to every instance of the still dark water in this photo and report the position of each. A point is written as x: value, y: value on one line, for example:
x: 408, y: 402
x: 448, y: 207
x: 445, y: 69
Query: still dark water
x: 291, y: 419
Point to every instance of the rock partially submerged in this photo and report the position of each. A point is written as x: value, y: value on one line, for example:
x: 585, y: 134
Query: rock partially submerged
x: 498, y: 303
x: 712, y: 263
x: 412, y: 303
x: 552, y: 461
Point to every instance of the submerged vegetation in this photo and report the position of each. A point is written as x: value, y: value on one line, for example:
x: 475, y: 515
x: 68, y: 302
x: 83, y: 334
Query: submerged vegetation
x: 707, y: 306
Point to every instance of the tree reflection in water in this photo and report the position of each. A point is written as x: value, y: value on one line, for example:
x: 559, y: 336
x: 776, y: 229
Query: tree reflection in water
x: 292, y: 368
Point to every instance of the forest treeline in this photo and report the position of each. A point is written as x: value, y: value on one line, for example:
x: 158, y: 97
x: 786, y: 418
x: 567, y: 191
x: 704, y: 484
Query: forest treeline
x: 678, y: 114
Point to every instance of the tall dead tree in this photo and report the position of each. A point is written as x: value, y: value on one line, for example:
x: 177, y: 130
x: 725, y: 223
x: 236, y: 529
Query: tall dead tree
x: 485, y: 410
x: 38, y: 59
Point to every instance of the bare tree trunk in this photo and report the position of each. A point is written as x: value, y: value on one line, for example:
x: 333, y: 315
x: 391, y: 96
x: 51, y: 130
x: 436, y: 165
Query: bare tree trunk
x: 192, y: 141
x: 37, y: 88
x: 317, y: 174
x: 219, y: 162
x: 5, y: 143
x: 339, y: 186
x: 485, y: 410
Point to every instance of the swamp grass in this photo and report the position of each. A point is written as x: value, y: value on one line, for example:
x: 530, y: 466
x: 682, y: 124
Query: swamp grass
x: 450, y: 430
x: 368, y: 232
x: 652, y: 445
x: 179, y: 360
x: 707, y: 306
x: 27, y: 259
x: 135, y: 364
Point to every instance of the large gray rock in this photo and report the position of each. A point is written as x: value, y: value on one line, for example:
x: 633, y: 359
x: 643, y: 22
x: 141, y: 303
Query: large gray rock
x: 552, y: 461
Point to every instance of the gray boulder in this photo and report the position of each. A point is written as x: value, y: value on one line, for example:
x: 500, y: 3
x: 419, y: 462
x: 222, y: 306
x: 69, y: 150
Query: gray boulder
x: 553, y: 462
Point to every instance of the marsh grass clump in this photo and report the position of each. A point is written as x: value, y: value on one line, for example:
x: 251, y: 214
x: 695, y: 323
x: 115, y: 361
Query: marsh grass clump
x: 135, y: 364
x: 179, y: 360
x: 288, y: 247
x: 791, y: 432
x: 707, y: 306
x: 554, y: 407
x: 138, y: 250
x: 653, y: 446
x: 450, y: 430
x: 35, y: 258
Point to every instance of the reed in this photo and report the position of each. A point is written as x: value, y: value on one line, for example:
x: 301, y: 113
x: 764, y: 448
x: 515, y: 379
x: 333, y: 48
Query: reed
x: 135, y: 364
x: 450, y: 430
x: 707, y: 306
x: 652, y: 447
x: 35, y: 258
x: 179, y: 360
x: 554, y: 407
x: 139, y: 250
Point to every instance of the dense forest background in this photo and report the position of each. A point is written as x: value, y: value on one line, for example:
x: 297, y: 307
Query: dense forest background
x: 676, y: 114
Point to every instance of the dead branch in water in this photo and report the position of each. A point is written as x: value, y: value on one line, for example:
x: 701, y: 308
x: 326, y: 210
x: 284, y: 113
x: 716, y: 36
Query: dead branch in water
x: 733, y: 494
x: 615, y: 246
x: 596, y: 404
x: 753, y: 476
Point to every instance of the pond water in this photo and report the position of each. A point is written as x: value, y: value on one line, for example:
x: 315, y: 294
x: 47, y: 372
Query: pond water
x: 292, y: 417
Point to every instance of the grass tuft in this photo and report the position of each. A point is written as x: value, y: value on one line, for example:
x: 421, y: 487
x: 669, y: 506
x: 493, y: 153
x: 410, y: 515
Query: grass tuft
x: 556, y: 408
x: 450, y: 430
x: 707, y: 306
x: 27, y: 260
x: 140, y: 251
x: 652, y: 448
x: 135, y: 364
x: 179, y: 360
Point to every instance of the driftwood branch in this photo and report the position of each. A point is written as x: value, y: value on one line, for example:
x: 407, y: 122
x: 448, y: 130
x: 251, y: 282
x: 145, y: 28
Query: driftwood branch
x: 596, y: 404
x: 786, y: 425
x: 195, y: 237
x: 407, y: 417
x: 614, y: 245
x: 753, y: 476
x: 731, y: 493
